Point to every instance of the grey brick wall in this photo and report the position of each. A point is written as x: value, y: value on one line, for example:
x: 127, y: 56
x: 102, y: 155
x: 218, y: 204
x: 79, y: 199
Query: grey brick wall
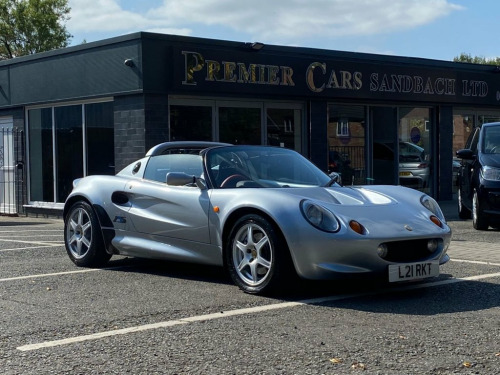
x: 129, y: 119
x: 156, y: 113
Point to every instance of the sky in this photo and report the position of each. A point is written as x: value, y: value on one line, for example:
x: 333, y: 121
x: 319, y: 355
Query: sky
x: 432, y: 29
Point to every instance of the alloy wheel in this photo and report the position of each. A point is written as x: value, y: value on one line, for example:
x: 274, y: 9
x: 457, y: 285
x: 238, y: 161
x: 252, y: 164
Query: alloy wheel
x: 252, y: 254
x: 79, y: 233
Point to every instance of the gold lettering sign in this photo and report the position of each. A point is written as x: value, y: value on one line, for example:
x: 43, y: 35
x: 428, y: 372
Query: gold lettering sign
x: 342, y: 79
x: 234, y: 72
x: 320, y: 77
x: 193, y: 62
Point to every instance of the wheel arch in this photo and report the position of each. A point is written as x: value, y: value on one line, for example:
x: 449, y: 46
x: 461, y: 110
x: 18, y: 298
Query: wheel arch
x: 102, y: 217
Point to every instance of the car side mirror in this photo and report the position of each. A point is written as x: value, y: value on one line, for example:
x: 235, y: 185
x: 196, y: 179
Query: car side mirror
x: 466, y: 154
x: 335, y: 177
x: 184, y: 179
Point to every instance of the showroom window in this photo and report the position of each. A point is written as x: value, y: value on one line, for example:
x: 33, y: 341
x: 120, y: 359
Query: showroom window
x: 346, y: 142
x: 68, y: 142
x: 237, y: 122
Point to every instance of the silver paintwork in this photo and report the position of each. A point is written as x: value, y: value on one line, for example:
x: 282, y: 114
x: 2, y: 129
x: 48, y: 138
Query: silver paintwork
x: 146, y: 218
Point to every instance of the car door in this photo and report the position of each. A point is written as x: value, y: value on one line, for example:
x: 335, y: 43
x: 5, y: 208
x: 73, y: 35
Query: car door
x: 157, y: 209
x: 467, y: 169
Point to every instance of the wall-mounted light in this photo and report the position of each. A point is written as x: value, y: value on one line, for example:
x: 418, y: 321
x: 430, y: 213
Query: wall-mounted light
x: 256, y: 46
x: 496, y: 69
x: 129, y: 62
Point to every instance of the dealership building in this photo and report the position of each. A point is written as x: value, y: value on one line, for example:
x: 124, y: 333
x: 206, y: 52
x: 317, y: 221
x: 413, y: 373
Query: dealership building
x: 96, y: 107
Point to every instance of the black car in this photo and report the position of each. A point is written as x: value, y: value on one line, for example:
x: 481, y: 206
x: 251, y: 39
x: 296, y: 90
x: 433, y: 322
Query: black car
x: 479, y: 177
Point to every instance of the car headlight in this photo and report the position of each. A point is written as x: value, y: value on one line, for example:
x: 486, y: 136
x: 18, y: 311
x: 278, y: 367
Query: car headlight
x: 319, y: 216
x: 432, y: 206
x: 490, y: 174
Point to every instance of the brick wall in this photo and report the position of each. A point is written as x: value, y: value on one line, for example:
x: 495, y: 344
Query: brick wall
x: 129, y: 119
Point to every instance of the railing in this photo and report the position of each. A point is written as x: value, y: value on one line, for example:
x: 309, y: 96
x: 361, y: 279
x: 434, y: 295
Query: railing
x: 352, y: 164
x: 12, y: 189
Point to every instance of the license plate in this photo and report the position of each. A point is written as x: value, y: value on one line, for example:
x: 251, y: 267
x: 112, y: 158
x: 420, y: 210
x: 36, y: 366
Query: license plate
x: 405, y: 173
x: 413, y: 271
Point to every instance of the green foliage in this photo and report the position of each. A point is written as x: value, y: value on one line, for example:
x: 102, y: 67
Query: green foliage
x: 467, y: 58
x: 32, y: 26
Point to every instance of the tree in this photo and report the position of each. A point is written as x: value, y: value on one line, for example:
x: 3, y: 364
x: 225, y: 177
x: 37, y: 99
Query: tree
x: 32, y: 26
x: 467, y: 58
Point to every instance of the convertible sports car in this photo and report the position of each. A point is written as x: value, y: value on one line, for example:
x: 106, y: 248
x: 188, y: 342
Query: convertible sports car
x: 266, y: 214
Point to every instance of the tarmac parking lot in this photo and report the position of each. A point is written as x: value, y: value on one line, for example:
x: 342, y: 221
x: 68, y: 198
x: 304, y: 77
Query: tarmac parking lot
x: 146, y: 317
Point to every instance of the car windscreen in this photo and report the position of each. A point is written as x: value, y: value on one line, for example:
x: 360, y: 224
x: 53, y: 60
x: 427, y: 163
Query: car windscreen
x: 491, y: 140
x: 260, y: 166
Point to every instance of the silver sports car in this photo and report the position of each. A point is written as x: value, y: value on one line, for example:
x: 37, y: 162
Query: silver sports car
x: 265, y: 214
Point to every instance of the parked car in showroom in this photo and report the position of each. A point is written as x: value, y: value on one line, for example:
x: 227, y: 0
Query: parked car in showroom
x: 414, y: 168
x: 265, y: 214
x: 479, y: 177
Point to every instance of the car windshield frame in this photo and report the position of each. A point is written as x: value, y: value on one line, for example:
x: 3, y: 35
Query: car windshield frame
x: 262, y: 167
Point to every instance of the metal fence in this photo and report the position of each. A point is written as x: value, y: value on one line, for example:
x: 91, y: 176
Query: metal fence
x: 12, y: 187
x: 352, y: 164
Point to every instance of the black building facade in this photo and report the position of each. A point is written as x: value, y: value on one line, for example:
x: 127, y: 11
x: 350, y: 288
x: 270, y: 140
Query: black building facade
x: 94, y: 108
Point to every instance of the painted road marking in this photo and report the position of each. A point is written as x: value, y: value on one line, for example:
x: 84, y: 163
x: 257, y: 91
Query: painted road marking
x: 27, y: 277
x: 30, y: 242
x: 251, y: 310
x: 475, y: 262
x: 31, y: 247
x: 51, y: 274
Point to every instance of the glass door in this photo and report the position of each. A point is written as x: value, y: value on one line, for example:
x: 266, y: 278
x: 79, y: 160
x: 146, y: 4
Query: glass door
x: 240, y: 125
x: 384, y: 146
x: 284, y: 125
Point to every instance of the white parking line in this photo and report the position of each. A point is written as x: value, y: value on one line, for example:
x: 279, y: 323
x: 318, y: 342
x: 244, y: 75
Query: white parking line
x: 54, y: 274
x: 475, y: 262
x: 29, y: 231
x: 224, y: 314
x: 26, y: 277
x: 31, y: 247
x: 31, y: 235
x: 30, y: 242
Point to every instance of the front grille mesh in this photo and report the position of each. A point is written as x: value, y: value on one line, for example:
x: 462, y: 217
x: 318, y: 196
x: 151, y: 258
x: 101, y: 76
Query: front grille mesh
x: 409, y: 250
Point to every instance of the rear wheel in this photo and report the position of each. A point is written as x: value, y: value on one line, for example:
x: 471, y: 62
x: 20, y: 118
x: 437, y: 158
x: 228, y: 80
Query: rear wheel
x: 479, y: 219
x: 83, y: 237
x: 257, y: 258
x: 463, y: 212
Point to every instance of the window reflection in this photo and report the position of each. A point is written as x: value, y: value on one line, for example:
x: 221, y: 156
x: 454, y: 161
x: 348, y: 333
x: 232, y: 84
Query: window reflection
x: 188, y: 123
x: 346, y: 142
x: 41, y: 160
x: 415, y: 148
x: 66, y: 128
x: 69, y: 148
x: 99, y: 125
x: 240, y: 126
x: 284, y: 128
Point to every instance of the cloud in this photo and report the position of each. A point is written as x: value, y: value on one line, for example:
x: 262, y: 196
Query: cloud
x: 269, y: 21
x: 102, y: 15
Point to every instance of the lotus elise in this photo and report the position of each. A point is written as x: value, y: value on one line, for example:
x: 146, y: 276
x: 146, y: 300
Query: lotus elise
x: 265, y: 214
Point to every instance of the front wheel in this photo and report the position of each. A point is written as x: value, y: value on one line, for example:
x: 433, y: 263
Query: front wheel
x: 257, y: 258
x: 479, y: 219
x: 83, y: 237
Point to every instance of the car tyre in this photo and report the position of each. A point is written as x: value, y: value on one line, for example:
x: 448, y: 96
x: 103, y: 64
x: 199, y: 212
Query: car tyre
x: 257, y: 257
x: 463, y: 212
x: 479, y: 219
x: 83, y: 237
